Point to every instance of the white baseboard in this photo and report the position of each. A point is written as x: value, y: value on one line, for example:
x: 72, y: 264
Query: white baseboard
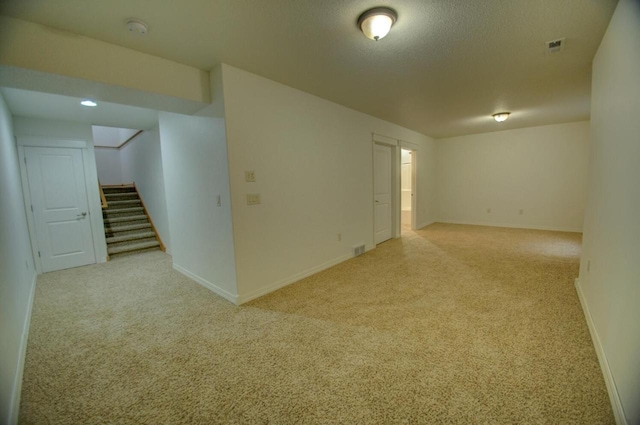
x: 616, y: 403
x: 22, y: 354
x: 210, y: 286
x: 293, y: 278
x: 512, y: 225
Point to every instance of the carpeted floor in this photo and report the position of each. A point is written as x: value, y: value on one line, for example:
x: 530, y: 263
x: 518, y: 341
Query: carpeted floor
x: 448, y: 325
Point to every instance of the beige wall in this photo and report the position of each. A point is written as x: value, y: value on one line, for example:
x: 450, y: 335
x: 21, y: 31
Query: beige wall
x: 609, y: 282
x: 314, y: 172
x: 30, y: 46
x: 141, y: 162
x: 539, y: 170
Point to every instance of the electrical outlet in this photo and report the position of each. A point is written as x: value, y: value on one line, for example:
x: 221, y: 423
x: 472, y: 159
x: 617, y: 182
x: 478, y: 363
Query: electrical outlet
x: 250, y: 176
x: 520, y: 212
x: 339, y: 237
x: 253, y: 198
x: 488, y: 210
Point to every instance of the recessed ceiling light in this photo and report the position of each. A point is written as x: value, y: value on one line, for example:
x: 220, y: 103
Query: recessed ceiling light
x: 376, y: 23
x: 88, y: 102
x: 501, y: 116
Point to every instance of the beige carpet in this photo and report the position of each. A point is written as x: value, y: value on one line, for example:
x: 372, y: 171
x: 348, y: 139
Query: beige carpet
x: 448, y: 325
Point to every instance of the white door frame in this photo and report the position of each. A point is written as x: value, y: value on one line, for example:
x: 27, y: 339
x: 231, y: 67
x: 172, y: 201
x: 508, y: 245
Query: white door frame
x: 395, y: 183
x: 93, y: 196
x: 396, y: 164
x: 414, y: 180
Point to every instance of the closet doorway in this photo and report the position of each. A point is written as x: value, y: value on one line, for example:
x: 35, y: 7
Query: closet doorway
x: 407, y: 187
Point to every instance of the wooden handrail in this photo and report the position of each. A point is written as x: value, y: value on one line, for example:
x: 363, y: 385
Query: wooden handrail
x: 103, y: 200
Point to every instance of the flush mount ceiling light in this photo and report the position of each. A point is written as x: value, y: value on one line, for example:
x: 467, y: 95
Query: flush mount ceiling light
x: 137, y: 26
x: 501, y: 116
x: 88, y: 102
x: 376, y: 23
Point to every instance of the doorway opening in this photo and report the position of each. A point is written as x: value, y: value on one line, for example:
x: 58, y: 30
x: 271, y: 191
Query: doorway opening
x: 406, y: 190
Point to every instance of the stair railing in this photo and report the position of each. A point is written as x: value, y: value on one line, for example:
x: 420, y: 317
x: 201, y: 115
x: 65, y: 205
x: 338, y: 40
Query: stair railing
x: 103, y: 200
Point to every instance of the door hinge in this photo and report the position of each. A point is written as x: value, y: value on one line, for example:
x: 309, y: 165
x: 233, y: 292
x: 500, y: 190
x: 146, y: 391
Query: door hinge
x: 25, y: 160
x: 31, y: 208
x: 38, y: 254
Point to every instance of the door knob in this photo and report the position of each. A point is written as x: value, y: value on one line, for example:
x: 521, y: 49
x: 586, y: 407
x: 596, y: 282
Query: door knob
x: 83, y: 215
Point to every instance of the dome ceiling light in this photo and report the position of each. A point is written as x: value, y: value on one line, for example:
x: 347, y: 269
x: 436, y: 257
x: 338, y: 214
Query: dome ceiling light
x: 501, y: 116
x: 376, y: 23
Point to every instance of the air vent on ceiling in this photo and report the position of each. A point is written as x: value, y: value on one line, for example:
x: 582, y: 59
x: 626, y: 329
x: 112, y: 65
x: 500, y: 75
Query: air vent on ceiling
x: 555, y: 46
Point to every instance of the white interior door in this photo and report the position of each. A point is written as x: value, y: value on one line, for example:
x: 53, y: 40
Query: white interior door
x: 382, y: 192
x: 60, y: 208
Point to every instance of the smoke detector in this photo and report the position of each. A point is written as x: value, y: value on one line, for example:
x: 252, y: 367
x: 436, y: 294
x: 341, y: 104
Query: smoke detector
x: 555, y: 46
x: 136, y: 26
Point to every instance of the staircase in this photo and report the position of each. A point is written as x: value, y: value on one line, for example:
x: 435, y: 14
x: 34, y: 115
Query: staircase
x: 127, y: 226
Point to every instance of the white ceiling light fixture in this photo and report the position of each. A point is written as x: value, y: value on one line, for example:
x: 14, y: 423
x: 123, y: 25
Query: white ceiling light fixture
x: 376, y: 23
x: 88, y: 102
x: 136, y: 26
x: 501, y: 116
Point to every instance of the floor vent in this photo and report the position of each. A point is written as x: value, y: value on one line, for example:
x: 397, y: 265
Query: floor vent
x: 358, y: 250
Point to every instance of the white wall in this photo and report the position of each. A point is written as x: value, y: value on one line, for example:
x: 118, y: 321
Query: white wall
x: 194, y: 160
x: 141, y: 160
x: 609, y: 282
x: 109, y: 165
x: 17, y: 273
x: 540, y: 170
x: 313, y: 161
x: 50, y: 129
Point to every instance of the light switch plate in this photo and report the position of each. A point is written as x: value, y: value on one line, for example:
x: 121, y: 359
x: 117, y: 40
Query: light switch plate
x: 253, y: 198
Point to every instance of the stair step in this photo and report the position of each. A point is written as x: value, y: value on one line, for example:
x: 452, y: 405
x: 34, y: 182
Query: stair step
x: 124, y: 203
x: 118, y: 189
x: 127, y: 227
x: 131, y: 242
x: 125, y: 218
x: 132, y: 247
x: 121, y: 194
x: 130, y: 237
x: 123, y: 210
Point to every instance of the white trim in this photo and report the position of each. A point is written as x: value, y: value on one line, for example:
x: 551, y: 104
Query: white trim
x: 396, y: 227
x: 385, y: 140
x: 210, y: 286
x: 512, y: 226
x: 31, y: 225
x: 616, y: 403
x: 14, y: 408
x: 292, y: 279
x: 408, y: 145
x: 43, y: 142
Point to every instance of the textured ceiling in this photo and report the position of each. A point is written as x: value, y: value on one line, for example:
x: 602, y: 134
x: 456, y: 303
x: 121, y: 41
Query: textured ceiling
x: 446, y: 66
